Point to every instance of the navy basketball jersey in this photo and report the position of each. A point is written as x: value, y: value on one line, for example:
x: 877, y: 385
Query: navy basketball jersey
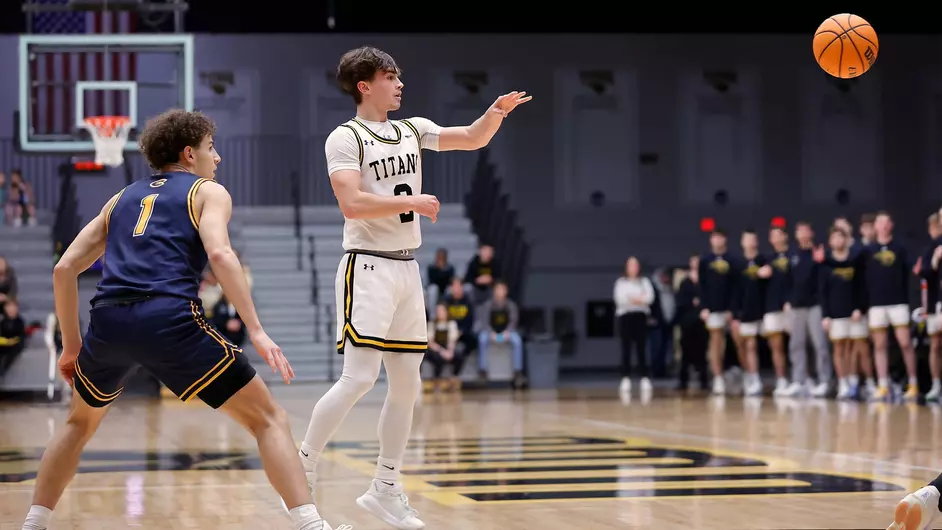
x: 153, y: 247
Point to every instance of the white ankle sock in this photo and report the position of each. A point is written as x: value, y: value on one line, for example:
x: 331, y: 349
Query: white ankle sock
x: 37, y: 518
x: 387, y: 471
x: 305, y: 517
x: 308, y: 457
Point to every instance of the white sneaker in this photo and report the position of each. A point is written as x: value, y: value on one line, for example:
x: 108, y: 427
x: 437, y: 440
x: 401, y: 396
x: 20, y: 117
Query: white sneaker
x: 795, y: 389
x: 819, y: 390
x: 719, y: 386
x: 646, y: 387
x: 625, y: 386
x: 934, y: 393
x: 781, y: 386
x: 391, y: 506
x: 754, y: 387
x: 917, y: 510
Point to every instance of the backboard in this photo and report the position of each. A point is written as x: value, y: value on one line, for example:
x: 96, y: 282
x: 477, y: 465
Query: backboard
x: 64, y: 78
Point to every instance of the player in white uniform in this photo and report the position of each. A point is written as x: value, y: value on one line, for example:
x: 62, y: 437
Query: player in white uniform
x: 375, y: 167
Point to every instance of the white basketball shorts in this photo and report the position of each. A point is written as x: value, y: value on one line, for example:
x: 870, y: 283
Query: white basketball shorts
x: 380, y: 304
x: 933, y: 324
x: 882, y: 316
x: 848, y: 329
x: 716, y: 321
x: 775, y: 322
x: 749, y: 329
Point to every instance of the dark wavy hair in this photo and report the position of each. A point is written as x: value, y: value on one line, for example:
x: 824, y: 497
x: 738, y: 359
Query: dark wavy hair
x: 166, y: 135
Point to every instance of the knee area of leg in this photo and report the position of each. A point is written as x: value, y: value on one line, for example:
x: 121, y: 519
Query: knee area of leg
x: 358, y: 383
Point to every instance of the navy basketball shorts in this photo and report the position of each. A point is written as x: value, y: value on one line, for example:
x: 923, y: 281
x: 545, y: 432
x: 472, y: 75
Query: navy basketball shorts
x: 170, y: 338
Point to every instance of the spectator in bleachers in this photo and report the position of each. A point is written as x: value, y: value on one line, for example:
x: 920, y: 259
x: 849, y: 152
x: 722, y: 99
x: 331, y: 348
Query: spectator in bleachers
x: 662, y: 329
x: 633, y: 295
x: 461, y: 310
x: 439, y: 275
x: 226, y: 319
x: 8, y: 283
x: 210, y: 292
x: 20, y: 200
x: 12, y: 334
x: 482, y: 273
x: 5, y: 200
x: 443, y: 350
x: 497, y: 324
x: 693, y: 332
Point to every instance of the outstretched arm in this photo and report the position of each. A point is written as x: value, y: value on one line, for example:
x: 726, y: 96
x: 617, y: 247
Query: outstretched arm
x: 215, y: 208
x: 87, y: 247
x: 479, y: 133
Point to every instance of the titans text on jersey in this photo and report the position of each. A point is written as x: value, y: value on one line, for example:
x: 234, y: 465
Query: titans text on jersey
x: 388, y: 156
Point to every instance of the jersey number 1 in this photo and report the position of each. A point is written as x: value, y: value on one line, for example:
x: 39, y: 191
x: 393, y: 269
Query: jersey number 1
x: 404, y: 189
x: 147, y: 209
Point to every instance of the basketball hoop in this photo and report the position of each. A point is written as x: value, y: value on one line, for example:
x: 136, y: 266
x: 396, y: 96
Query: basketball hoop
x: 109, y: 134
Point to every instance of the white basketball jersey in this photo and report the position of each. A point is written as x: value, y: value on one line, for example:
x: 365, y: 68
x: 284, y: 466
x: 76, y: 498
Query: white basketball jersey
x: 389, y: 157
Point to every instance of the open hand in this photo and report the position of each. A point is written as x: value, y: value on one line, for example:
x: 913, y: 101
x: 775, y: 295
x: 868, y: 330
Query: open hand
x: 272, y: 355
x: 505, y: 104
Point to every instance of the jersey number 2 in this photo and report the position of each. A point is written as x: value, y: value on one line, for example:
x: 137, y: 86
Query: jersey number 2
x: 147, y: 209
x: 404, y: 189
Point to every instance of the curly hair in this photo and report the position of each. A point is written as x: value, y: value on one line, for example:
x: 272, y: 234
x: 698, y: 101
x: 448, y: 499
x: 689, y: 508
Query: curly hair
x: 166, y: 135
x: 361, y: 64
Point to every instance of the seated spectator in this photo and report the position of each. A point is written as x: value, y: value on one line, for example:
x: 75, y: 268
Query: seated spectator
x: 226, y: 319
x: 12, y: 335
x: 481, y: 274
x: 210, y: 292
x: 20, y: 201
x: 442, y: 350
x: 439, y: 275
x: 5, y: 199
x: 461, y: 310
x: 497, y: 323
x: 8, y: 284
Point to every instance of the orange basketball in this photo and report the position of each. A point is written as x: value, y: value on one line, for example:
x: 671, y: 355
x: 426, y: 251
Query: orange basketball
x: 845, y: 46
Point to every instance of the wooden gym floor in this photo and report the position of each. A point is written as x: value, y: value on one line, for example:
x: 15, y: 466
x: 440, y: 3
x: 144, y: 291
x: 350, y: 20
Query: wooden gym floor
x: 542, y: 460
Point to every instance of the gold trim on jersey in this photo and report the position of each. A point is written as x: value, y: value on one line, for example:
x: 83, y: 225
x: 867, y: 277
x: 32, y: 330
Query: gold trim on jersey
x: 191, y: 199
x: 418, y: 138
x: 362, y: 341
x: 359, y: 140
x: 229, y: 357
x: 380, y: 138
x: 101, y: 397
x: 113, y: 204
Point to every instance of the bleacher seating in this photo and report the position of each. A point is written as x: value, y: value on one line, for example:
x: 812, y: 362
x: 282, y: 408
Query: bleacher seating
x: 29, y: 250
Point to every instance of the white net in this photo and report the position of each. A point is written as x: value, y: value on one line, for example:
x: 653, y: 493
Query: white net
x: 109, y: 134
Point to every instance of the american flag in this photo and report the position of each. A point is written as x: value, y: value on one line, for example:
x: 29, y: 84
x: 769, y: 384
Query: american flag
x: 53, y: 103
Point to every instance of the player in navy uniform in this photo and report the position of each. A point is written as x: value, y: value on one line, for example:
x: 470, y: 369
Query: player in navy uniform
x: 157, y: 235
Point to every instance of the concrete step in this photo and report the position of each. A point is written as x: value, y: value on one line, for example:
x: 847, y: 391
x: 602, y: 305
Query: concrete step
x: 29, y: 262
x: 297, y: 316
x: 286, y: 296
x: 12, y: 247
x: 9, y: 233
x: 263, y: 278
x: 249, y: 232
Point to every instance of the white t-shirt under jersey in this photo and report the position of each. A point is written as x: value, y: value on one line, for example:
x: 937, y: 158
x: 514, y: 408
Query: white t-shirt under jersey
x: 388, y: 156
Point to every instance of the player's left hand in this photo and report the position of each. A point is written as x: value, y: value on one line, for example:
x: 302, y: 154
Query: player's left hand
x: 505, y: 104
x: 67, y: 365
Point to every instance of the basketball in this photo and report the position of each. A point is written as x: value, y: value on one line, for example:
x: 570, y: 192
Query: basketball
x: 845, y: 46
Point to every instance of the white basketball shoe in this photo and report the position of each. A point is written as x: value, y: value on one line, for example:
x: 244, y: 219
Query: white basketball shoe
x: 391, y: 505
x: 917, y: 510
